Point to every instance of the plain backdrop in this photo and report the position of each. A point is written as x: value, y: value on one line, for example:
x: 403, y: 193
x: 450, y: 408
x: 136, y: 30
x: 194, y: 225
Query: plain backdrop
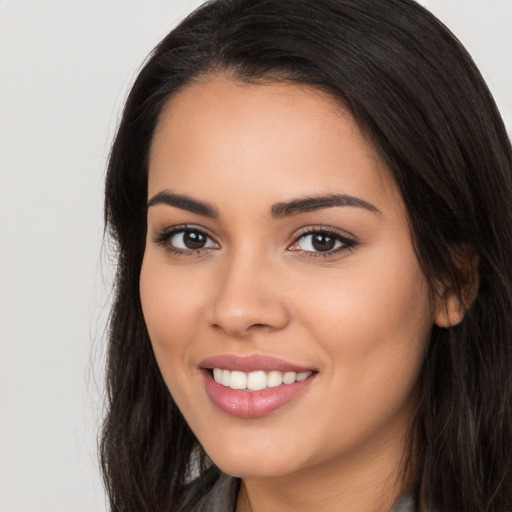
x: 65, y: 68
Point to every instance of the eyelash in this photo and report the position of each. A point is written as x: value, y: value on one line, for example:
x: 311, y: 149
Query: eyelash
x: 164, y: 237
x: 347, y: 243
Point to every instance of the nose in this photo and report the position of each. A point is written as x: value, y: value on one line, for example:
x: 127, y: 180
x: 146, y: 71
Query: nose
x: 249, y: 298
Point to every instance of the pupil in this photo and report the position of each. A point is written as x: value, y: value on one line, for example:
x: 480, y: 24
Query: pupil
x: 323, y: 242
x: 194, y: 240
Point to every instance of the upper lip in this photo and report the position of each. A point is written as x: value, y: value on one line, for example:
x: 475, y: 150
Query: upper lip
x: 251, y: 363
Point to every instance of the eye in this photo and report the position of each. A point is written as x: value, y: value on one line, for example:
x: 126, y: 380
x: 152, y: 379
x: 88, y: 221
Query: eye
x: 190, y: 240
x: 185, y: 240
x: 322, y: 242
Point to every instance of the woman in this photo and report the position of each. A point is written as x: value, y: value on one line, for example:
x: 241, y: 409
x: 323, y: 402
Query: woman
x: 311, y: 206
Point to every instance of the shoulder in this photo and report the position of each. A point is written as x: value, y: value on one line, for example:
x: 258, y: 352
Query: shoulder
x: 220, y: 497
x: 406, y: 504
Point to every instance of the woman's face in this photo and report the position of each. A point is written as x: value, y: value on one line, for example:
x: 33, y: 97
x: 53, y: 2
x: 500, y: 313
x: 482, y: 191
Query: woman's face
x: 278, y: 248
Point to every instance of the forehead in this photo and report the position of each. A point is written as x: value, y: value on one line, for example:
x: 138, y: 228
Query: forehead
x: 276, y: 139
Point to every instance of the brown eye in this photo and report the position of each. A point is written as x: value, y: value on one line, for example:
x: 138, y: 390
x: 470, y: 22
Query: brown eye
x: 185, y: 240
x: 323, y: 242
x: 319, y: 242
x: 194, y: 240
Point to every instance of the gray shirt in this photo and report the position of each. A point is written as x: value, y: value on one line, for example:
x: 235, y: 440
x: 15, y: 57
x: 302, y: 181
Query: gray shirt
x: 223, y: 496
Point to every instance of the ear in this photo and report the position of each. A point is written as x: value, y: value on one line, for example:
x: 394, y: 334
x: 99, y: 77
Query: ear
x: 455, y: 298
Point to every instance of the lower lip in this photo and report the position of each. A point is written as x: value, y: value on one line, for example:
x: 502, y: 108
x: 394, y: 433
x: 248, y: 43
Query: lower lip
x: 253, y: 404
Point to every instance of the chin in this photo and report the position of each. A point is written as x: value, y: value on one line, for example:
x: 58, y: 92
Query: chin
x: 253, y: 468
x: 255, y: 459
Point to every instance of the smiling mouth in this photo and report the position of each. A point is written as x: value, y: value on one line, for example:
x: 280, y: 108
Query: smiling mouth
x: 255, y: 392
x: 255, y: 385
x: 256, y: 380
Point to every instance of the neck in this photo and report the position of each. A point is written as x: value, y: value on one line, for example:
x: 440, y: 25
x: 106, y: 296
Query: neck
x: 368, y: 481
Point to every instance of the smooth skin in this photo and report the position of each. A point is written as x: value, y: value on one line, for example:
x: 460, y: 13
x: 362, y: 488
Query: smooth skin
x: 355, y: 308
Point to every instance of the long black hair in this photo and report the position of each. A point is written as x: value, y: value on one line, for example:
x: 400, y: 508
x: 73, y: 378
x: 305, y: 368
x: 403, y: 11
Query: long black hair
x: 418, y: 97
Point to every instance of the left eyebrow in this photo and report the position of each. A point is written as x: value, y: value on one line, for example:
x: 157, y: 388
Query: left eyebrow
x: 311, y: 204
x: 184, y: 203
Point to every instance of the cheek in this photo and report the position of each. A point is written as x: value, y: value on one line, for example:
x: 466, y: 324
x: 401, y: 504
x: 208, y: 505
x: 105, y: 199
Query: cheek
x: 171, y: 307
x: 385, y: 294
x: 372, y: 325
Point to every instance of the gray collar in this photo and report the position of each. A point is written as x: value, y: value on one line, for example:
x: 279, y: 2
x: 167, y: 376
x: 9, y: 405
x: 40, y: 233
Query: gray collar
x: 223, y: 496
x: 404, y: 504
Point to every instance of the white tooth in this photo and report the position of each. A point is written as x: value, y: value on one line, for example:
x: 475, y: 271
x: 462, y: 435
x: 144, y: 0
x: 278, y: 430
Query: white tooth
x: 257, y: 380
x: 303, y: 376
x: 226, y: 378
x: 238, y: 380
x: 289, y: 377
x: 274, y: 379
x: 217, y: 375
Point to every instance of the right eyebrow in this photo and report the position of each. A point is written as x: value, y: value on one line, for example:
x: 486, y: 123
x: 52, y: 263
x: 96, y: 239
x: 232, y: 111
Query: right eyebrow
x: 315, y: 203
x: 184, y: 203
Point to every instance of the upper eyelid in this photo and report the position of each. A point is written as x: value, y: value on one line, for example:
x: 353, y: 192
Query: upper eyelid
x: 308, y: 230
x: 184, y: 227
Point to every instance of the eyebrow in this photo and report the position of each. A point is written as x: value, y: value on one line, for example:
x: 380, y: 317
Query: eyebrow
x: 311, y: 204
x: 277, y: 211
x: 184, y: 203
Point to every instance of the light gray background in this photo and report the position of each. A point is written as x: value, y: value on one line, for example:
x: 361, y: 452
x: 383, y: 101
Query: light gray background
x: 65, y: 67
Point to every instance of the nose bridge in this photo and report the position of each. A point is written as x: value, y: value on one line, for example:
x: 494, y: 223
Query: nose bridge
x: 248, y: 295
